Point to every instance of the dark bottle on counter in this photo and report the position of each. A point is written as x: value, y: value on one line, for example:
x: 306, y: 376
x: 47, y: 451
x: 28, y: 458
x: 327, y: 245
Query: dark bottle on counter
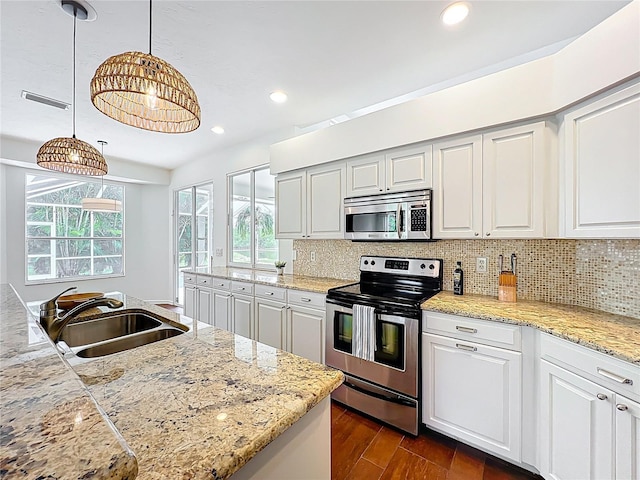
x: 458, y: 279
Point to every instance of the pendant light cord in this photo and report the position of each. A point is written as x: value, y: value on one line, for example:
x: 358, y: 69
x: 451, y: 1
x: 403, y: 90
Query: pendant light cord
x: 75, y: 17
x: 149, y: 27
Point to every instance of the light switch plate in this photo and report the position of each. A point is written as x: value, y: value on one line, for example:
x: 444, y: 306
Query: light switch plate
x: 219, y: 252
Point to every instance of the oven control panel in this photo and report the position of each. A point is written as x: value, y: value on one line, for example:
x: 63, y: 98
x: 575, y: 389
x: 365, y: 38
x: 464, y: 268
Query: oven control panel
x: 423, y: 267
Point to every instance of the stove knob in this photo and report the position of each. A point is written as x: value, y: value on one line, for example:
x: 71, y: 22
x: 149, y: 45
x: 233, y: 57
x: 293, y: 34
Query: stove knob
x: 423, y: 266
x: 431, y: 266
x: 366, y: 262
x: 373, y: 262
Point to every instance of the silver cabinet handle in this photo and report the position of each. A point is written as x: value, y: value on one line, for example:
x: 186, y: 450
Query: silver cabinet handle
x: 622, y: 407
x: 601, y: 396
x: 305, y: 299
x: 476, y: 234
x: 468, y: 348
x: 615, y: 377
x: 488, y: 234
x: 221, y: 284
x: 269, y: 293
x: 466, y: 329
x: 242, y: 288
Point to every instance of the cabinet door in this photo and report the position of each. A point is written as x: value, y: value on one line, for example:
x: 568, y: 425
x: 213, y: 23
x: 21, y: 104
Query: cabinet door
x: 222, y: 309
x: 457, y: 188
x: 325, y: 195
x: 291, y: 214
x: 205, y: 305
x: 473, y: 392
x: 190, y: 300
x: 365, y: 176
x: 409, y: 168
x: 270, y: 322
x: 627, y: 439
x: 513, y: 168
x: 242, y: 315
x: 306, y: 332
x: 576, y: 434
x: 602, y: 167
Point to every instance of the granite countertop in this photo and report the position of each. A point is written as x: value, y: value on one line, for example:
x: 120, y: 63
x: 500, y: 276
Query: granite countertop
x: 614, y: 335
x: 50, y: 426
x: 199, y: 405
x: 296, y: 282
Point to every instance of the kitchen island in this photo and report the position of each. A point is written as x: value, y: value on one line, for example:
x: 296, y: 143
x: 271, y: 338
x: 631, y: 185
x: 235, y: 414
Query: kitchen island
x: 200, y: 405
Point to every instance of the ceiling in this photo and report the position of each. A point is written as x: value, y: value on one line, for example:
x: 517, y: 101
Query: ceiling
x: 331, y: 57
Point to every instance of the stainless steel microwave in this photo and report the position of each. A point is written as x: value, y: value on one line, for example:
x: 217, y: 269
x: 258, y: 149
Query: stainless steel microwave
x: 389, y: 216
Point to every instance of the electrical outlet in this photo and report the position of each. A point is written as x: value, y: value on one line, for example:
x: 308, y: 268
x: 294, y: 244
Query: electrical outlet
x: 294, y: 255
x: 481, y: 264
x: 218, y: 252
x: 313, y: 256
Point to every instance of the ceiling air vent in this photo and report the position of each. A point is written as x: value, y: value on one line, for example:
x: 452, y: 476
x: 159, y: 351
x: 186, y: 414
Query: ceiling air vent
x: 52, y: 102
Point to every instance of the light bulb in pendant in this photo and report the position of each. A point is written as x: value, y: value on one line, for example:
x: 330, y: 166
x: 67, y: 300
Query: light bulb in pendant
x: 151, y: 99
x: 74, y: 157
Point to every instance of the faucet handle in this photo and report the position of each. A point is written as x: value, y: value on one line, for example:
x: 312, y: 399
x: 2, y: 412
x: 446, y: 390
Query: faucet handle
x: 50, y: 307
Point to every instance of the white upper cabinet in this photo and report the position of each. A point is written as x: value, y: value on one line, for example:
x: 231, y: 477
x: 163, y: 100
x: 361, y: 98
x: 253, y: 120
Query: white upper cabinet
x: 513, y: 171
x: 398, y: 170
x: 291, y: 206
x: 457, y: 188
x: 493, y: 185
x: 309, y: 203
x: 601, y: 160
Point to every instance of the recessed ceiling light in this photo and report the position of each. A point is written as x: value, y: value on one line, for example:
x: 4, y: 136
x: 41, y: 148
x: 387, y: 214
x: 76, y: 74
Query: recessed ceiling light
x: 278, y: 96
x: 455, y: 13
x: 217, y: 129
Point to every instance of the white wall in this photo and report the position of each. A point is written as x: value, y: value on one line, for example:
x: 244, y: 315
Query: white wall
x: 147, y: 268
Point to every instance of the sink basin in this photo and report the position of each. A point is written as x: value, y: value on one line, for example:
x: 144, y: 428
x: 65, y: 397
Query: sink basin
x: 107, y: 327
x: 128, y: 342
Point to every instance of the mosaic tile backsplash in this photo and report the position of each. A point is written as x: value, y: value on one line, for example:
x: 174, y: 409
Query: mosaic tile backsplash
x: 599, y: 274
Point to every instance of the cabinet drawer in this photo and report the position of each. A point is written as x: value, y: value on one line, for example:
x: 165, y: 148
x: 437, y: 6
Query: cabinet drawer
x: 221, y: 283
x: 205, y: 280
x: 190, y: 278
x: 267, y: 291
x: 481, y: 331
x: 308, y: 299
x: 603, y: 369
x: 242, y: 287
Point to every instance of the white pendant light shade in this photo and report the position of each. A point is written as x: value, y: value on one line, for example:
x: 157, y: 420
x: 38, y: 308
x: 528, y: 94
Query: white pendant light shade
x: 101, y: 205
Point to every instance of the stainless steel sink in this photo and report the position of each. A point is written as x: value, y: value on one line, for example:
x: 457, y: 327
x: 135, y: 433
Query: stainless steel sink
x: 107, y: 327
x: 116, y: 332
x: 127, y: 342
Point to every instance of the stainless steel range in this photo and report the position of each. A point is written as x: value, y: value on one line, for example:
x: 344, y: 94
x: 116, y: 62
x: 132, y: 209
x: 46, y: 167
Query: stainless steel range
x: 373, y: 336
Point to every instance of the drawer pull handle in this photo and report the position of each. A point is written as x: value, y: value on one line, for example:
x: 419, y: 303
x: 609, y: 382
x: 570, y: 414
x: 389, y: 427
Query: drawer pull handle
x: 614, y: 377
x: 622, y: 407
x: 466, y: 329
x: 601, y: 396
x: 468, y: 348
x: 305, y: 299
x: 221, y: 284
x: 269, y: 293
x: 241, y: 288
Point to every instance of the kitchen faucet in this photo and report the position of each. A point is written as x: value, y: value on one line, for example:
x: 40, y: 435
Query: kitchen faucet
x: 53, y: 324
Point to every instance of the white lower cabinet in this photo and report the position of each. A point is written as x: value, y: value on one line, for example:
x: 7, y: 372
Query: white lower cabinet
x: 306, y: 332
x: 589, y: 428
x: 242, y: 314
x: 473, y: 392
x: 198, y: 298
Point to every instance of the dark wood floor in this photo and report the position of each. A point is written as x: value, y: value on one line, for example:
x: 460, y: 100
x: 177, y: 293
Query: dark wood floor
x: 173, y: 308
x: 362, y: 449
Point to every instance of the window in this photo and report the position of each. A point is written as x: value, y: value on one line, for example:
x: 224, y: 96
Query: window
x: 193, y: 225
x: 65, y: 241
x: 252, y: 215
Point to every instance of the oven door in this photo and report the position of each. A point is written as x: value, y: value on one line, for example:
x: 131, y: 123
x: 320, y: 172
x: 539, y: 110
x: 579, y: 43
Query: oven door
x: 383, y: 221
x: 396, y: 356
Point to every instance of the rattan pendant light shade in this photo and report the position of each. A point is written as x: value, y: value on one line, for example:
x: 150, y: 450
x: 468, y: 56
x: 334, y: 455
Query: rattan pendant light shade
x: 144, y: 91
x: 68, y: 154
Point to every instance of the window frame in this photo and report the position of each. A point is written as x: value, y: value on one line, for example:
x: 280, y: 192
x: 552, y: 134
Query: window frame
x: 54, y: 239
x: 252, y: 186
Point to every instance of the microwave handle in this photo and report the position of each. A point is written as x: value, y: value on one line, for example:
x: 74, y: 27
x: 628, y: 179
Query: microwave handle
x: 399, y: 220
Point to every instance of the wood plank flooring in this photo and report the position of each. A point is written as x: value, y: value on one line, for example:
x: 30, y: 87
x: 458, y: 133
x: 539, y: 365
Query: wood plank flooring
x: 362, y: 449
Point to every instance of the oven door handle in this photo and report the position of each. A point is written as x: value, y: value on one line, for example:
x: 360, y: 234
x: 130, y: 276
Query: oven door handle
x: 380, y: 396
